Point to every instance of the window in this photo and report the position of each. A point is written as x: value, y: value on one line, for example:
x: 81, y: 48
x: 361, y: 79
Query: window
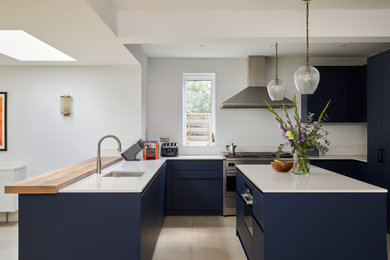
x: 198, y: 108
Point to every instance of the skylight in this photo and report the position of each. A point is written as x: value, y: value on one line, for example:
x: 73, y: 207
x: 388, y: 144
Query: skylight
x: 22, y: 46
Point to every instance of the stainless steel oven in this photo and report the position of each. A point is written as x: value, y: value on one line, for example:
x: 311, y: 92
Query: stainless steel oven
x: 229, y: 176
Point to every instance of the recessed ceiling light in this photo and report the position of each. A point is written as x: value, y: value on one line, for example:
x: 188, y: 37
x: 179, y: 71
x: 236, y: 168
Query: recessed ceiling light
x: 24, y: 47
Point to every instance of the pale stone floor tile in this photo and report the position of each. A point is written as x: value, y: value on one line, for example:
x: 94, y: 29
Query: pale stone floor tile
x: 178, y: 221
x: 173, y: 251
x: 214, y: 221
x: 176, y: 234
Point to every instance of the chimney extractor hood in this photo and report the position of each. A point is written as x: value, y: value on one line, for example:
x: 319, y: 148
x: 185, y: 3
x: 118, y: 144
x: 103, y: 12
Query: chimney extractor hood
x: 253, y: 96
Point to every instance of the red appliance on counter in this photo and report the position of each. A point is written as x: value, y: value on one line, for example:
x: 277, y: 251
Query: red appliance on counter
x: 151, y: 150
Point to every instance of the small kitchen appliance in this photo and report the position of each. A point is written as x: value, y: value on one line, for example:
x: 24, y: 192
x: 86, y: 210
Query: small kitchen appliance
x: 151, y: 150
x: 169, y: 150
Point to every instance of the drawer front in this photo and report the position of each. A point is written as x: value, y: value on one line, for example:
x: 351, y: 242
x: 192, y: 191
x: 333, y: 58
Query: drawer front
x: 258, y: 206
x: 242, y: 230
x: 196, y: 165
x: 197, y: 174
x: 197, y: 195
x: 258, y: 242
x: 258, y: 196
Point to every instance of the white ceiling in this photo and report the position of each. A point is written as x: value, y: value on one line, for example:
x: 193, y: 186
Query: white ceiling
x: 70, y: 26
x: 73, y: 27
x: 236, y: 50
x: 247, y: 4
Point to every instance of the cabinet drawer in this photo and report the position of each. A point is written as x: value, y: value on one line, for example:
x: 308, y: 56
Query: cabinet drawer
x: 243, y: 232
x: 197, y: 195
x: 196, y: 165
x: 197, y: 174
x: 258, y: 206
x: 258, y: 242
x: 258, y: 196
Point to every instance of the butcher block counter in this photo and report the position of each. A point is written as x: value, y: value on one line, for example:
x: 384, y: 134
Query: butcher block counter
x: 52, y: 182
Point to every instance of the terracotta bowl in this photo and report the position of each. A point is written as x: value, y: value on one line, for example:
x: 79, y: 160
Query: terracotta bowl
x: 283, y: 166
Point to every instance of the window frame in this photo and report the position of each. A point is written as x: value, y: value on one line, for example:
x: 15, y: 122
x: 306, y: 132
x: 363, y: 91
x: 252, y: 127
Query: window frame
x: 205, y: 77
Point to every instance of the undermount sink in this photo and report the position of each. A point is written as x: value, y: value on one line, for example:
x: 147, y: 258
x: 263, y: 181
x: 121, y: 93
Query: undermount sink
x: 124, y: 174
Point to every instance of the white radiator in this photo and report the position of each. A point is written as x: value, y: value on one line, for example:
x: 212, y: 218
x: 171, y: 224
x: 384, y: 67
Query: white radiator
x: 9, y: 175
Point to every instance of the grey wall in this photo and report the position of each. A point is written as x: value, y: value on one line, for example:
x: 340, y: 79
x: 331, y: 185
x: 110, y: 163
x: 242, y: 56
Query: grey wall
x: 246, y: 127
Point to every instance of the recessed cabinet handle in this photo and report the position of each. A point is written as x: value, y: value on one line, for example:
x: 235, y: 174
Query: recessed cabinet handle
x: 247, y: 198
x: 381, y: 153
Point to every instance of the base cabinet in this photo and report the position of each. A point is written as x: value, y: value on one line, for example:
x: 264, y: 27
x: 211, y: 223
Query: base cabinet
x: 194, y: 187
x: 306, y: 226
x: 97, y: 226
x: 351, y: 168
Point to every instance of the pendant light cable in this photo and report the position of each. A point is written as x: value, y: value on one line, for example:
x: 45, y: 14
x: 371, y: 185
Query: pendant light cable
x: 307, y: 33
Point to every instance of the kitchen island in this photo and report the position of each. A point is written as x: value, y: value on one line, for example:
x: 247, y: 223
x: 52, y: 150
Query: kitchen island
x: 95, y: 217
x: 320, y: 216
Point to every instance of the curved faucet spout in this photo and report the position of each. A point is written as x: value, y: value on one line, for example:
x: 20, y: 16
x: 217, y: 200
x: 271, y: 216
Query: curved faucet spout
x: 98, y: 158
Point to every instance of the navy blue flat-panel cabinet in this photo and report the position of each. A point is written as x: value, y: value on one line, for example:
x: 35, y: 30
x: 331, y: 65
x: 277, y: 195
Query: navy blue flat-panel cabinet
x: 194, y: 187
x: 152, y: 213
x: 97, y: 226
x: 344, y: 85
x: 351, y: 168
x: 378, y: 121
x: 311, y: 225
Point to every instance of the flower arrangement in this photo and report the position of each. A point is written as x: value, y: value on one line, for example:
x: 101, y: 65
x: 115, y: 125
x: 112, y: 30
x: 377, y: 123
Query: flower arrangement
x: 301, y: 137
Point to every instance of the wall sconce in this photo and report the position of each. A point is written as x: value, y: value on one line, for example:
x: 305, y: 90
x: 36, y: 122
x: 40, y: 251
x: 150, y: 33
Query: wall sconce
x: 66, y: 105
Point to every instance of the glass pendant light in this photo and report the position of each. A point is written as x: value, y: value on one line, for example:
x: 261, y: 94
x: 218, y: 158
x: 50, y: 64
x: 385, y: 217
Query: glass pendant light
x: 307, y: 77
x: 276, y: 87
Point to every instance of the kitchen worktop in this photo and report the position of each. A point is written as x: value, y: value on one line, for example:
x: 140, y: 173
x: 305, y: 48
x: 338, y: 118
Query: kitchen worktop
x: 82, y: 177
x: 360, y: 158
x: 51, y: 182
x: 319, y: 180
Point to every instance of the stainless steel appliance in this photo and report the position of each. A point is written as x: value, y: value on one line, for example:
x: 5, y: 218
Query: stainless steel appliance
x: 229, y: 174
x: 169, y: 150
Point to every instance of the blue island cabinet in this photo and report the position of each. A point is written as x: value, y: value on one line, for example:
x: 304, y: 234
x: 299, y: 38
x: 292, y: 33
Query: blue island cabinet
x: 194, y: 187
x: 307, y: 226
x: 81, y: 226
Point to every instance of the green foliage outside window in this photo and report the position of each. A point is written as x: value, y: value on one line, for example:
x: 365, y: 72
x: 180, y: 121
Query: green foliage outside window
x: 198, y: 96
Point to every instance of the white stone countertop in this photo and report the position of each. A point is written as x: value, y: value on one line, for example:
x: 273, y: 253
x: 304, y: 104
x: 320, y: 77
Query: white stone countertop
x: 265, y: 178
x: 98, y: 183
x: 361, y: 158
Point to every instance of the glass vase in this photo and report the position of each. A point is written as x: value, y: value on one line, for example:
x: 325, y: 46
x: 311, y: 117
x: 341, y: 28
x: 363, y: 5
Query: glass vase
x: 301, y: 164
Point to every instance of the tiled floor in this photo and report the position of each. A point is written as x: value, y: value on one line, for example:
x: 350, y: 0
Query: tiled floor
x: 199, y: 237
x: 182, y: 238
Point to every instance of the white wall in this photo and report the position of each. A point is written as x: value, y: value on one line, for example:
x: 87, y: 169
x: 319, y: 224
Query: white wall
x: 254, y: 129
x: 106, y: 100
x: 143, y: 60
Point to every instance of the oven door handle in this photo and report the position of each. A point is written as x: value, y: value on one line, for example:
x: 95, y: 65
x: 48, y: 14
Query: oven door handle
x: 231, y: 173
x: 247, y: 198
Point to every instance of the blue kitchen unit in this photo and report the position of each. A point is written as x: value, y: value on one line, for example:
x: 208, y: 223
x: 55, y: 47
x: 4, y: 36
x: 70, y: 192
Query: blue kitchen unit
x: 92, y: 225
x: 194, y: 187
x: 322, y: 216
x: 346, y: 87
x: 351, y: 168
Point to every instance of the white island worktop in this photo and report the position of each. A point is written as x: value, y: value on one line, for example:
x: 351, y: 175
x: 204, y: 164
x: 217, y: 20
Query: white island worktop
x: 265, y: 178
x: 98, y: 183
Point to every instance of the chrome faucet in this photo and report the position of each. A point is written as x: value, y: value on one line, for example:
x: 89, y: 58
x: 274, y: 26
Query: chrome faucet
x: 98, y: 158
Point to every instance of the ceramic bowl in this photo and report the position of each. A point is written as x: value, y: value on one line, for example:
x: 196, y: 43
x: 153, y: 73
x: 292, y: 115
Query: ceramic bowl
x: 283, y: 166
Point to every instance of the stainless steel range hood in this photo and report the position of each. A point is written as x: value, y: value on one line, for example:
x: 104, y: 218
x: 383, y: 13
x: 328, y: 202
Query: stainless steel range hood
x: 253, y: 96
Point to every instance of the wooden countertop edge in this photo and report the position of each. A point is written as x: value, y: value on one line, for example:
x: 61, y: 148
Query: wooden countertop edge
x: 60, y: 178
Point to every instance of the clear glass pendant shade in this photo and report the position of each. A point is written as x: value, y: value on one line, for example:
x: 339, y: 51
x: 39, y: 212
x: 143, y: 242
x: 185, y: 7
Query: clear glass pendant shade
x: 306, y: 79
x: 276, y: 89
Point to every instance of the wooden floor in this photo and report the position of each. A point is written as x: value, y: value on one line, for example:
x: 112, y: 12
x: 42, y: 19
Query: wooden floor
x: 182, y: 238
